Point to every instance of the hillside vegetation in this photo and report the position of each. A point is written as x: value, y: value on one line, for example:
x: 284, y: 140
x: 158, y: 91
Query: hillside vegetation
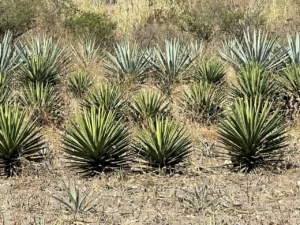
x: 149, y: 112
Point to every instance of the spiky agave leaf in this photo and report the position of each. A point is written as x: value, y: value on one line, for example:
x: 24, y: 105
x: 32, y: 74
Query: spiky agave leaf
x: 19, y: 138
x: 44, y: 46
x: 5, y: 89
x: 9, y: 58
x: 162, y: 144
x: 201, y: 198
x: 149, y: 105
x: 79, y: 83
x: 129, y: 62
x: 108, y: 97
x: 43, y: 101
x: 211, y: 72
x: 254, y: 81
x: 290, y: 91
x: 38, y: 70
x: 291, y: 80
x: 170, y: 64
x: 252, y: 134
x: 96, y: 141
x: 74, y: 200
x: 42, y: 61
x: 294, y: 49
x: 86, y: 52
x: 257, y: 48
x: 204, y: 101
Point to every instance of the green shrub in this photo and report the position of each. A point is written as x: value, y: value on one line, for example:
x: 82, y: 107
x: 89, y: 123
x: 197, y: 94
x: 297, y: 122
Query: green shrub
x: 233, y: 22
x: 152, y: 34
x: 204, y: 102
x: 252, y: 134
x: 197, y: 21
x: 90, y: 25
x: 19, y: 138
x: 53, y: 15
x: 162, y: 144
x: 18, y: 16
x: 96, y: 141
x: 212, y: 19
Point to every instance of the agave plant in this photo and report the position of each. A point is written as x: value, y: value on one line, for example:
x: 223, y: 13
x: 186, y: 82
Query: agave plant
x: 290, y: 83
x: 38, y: 70
x: 43, y: 101
x: 210, y: 72
x: 42, y: 62
x: 204, y: 101
x: 201, y: 199
x: 19, y: 138
x: 5, y: 89
x: 254, y: 80
x: 129, y: 63
x: 87, y: 52
x: 294, y: 49
x: 108, y: 97
x: 9, y: 58
x: 163, y: 144
x: 252, y: 134
x: 291, y: 80
x: 257, y: 48
x: 149, y: 105
x: 79, y: 83
x: 171, y: 64
x: 74, y: 200
x: 96, y: 141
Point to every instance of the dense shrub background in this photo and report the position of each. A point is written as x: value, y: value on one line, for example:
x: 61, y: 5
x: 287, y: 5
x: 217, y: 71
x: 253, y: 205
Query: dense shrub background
x: 17, y: 16
x: 90, y: 25
x: 218, y: 19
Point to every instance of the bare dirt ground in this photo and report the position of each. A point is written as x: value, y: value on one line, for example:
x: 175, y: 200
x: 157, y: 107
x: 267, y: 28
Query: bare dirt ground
x: 136, y: 197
